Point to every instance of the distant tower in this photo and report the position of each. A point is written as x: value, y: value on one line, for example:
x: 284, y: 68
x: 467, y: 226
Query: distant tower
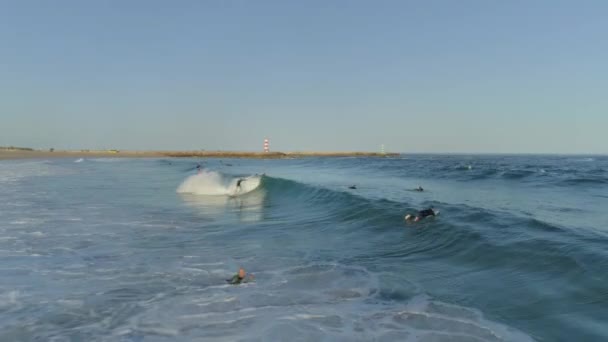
x: 266, y: 145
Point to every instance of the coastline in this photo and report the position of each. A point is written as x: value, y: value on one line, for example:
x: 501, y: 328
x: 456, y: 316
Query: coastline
x: 35, y: 154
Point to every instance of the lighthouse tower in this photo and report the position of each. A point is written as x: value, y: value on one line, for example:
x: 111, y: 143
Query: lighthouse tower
x: 266, y: 145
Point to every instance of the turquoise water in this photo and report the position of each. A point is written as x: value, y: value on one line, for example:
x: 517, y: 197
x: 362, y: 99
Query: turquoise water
x: 139, y: 249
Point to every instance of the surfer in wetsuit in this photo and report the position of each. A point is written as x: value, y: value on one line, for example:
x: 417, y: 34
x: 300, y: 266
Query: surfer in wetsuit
x: 422, y: 214
x: 240, y: 277
x: 238, y: 185
x: 198, y: 167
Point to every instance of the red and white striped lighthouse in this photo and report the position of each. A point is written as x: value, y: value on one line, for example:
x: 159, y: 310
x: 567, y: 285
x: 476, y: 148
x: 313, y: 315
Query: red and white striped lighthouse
x: 266, y: 145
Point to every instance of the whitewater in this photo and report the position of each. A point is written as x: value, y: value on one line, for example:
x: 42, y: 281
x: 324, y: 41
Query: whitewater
x: 139, y: 249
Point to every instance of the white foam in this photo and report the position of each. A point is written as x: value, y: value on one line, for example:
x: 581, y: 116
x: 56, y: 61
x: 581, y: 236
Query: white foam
x: 9, y: 299
x: 15, y: 171
x: 213, y: 183
x: 25, y: 221
x: 307, y: 305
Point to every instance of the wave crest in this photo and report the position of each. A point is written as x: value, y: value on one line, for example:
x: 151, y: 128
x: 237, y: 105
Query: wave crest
x: 215, y: 184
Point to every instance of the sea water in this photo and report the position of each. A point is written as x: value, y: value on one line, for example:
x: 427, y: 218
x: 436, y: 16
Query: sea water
x: 140, y: 249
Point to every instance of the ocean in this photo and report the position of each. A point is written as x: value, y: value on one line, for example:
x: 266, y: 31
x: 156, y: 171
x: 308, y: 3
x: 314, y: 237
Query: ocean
x: 140, y: 249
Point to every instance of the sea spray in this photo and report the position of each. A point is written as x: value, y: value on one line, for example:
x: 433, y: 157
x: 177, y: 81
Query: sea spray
x: 215, y: 184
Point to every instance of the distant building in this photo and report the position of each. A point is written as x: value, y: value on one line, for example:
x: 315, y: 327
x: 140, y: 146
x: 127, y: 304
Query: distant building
x: 266, y: 145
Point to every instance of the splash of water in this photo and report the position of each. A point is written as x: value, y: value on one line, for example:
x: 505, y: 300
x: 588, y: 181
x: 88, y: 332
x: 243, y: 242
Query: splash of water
x: 214, y: 183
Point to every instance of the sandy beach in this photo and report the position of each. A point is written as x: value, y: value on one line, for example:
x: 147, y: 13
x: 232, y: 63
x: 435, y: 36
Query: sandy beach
x: 22, y: 154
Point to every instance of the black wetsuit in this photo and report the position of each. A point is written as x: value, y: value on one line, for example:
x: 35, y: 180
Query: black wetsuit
x: 426, y: 212
x: 235, y: 280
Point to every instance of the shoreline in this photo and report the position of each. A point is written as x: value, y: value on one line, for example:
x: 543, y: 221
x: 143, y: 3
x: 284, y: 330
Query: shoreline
x: 35, y: 154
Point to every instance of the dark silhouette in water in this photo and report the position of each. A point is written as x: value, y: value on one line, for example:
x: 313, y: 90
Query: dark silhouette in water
x: 238, y: 184
x: 422, y: 214
x: 419, y: 189
x: 352, y: 187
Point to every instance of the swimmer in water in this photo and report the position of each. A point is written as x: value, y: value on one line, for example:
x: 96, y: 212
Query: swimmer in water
x: 422, y: 214
x: 240, y: 277
x: 419, y: 188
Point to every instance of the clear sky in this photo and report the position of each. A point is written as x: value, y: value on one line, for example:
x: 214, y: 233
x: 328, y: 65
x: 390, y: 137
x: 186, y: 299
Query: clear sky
x: 417, y: 76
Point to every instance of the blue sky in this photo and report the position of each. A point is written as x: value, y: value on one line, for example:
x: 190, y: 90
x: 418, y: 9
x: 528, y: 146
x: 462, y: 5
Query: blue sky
x: 417, y: 76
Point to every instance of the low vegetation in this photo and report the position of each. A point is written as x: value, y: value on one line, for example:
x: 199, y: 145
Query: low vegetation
x: 14, y: 148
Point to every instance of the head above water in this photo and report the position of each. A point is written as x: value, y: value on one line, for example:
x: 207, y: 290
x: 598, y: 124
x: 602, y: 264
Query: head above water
x: 242, y: 273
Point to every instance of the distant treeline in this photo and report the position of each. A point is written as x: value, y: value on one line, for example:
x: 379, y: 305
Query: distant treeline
x: 14, y: 148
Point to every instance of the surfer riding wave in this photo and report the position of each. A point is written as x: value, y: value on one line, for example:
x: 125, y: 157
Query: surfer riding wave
x: 213, y: 183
